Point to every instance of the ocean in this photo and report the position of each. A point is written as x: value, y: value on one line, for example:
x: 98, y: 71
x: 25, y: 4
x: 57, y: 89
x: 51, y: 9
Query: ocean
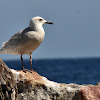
x: 80, y: 71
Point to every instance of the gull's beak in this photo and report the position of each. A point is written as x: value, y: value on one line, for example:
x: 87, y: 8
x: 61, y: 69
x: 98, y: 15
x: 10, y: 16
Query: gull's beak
x: 48, y: 22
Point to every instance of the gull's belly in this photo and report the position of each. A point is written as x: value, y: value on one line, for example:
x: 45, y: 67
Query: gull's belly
x: 23, y: 46
x: 29, y: 47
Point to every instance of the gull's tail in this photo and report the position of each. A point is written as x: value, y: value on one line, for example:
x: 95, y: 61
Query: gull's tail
x: 1, y: 51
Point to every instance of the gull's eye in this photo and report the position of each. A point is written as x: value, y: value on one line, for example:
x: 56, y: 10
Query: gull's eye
x: 40, y: 19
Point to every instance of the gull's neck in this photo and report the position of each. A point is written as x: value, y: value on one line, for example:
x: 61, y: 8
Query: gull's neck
x: 37, y: 27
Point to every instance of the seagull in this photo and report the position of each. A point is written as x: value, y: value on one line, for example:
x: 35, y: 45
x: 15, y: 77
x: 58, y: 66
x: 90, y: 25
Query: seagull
x: 26, y: 40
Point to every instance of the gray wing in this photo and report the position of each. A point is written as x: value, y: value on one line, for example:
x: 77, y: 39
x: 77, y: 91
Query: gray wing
x: 17, y: 39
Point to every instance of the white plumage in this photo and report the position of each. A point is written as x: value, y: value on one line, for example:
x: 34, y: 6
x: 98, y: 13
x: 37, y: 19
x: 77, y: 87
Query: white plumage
x: 27, y: 40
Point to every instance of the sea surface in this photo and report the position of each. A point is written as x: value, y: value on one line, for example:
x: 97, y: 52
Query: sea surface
x: 80, y: 71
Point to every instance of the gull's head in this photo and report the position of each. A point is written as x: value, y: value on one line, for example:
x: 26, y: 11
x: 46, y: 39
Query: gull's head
x: 38, y: 21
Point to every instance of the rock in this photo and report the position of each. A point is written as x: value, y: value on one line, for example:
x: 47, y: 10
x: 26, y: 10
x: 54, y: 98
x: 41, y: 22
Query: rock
x: 8, y: 87
x: 98, y: 83
x: 18, y: 85
x: 32, y: 86
x: 90, y: 92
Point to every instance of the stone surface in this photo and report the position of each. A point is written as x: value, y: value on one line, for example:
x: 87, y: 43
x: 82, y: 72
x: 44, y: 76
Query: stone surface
x: 8, y: 87
x: 18, y: 85
x: 32, y: 86
x: 98, y: 83
x: 90, y: 92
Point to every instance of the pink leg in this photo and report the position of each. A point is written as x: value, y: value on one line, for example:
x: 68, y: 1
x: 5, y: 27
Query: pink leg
x: 22, y: 62
x: 24, y: 70
x: 31, y: 61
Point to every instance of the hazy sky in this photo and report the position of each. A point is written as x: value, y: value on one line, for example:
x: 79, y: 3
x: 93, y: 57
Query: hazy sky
x: 75, y: 33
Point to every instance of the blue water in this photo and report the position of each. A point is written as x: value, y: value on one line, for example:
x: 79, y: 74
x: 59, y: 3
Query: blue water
x: 80, y: 71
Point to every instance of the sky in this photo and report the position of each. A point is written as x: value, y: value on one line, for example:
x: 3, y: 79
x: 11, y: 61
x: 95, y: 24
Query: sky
x: 74, y: 34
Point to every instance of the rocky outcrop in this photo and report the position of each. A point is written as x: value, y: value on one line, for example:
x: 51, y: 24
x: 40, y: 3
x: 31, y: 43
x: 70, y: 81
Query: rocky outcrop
x: 90, y: 92
x: 18, y: 85
x: 8, y: 87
